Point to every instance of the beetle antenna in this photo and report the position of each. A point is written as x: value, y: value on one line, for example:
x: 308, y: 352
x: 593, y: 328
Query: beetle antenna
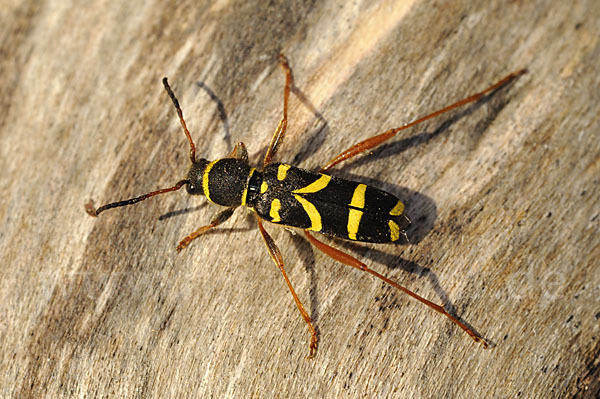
x: 89, y: 206
x: 180, y: 113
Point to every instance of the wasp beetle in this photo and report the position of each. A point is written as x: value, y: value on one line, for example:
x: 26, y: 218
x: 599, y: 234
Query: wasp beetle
x: 313, y: 201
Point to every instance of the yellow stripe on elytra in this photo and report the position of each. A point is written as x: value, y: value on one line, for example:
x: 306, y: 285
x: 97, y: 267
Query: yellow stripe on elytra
x: 311, y: 211
x: 354, y: 215
x: 245, y: 193
x: 353, y: 222
x: 282, y: 171
x: 398, y: 209
x: 274, y: 212
x: 315, y: 186
x: 263, y: 187
x: 394, y: 230
x: 205, y: 179
x: 358, y: 198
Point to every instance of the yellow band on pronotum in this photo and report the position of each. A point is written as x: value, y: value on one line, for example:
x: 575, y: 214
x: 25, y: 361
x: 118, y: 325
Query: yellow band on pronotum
x: 205, y: 179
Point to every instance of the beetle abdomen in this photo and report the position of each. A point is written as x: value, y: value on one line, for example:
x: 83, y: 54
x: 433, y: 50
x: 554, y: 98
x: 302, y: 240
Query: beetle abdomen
x: 318, y: 202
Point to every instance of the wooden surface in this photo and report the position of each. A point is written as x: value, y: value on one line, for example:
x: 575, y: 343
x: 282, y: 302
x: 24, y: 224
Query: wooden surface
x: 503, y: 196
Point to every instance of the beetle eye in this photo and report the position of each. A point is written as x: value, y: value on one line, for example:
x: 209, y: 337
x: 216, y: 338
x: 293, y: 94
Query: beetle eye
x: 191, y: 188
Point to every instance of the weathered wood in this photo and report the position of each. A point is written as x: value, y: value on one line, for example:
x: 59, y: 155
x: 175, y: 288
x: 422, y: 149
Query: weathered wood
x: 503, y: 196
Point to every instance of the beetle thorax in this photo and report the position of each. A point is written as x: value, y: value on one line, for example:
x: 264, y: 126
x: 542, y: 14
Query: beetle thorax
x: 222, y: 181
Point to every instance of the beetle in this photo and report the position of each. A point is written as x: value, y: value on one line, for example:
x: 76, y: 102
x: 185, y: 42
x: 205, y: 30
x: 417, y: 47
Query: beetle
x: 315, y: 202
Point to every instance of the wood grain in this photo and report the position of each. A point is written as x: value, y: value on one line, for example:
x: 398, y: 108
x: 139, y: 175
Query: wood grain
x: 503, y: 195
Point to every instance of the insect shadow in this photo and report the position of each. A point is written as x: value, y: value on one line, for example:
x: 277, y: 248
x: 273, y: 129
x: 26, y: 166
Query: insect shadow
x: 221, y: 111
x: 180, y: 212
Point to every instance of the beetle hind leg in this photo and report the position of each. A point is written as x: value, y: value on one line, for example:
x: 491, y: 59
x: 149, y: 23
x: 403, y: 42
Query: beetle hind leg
x: 349, y: 260
x: 374, y: 141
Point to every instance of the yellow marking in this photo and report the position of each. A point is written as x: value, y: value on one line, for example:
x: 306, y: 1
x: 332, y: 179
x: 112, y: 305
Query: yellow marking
x: 263, y: 187
x: 311, y: 211
x: 245, y: 193
x: 354, y: 216
x: 394, y: 230
x: 358, y: 198
x: 353, y: 223
x: 274, y: 212
x: 282, y: 171
x: 398, y: 209
x: 205, y: 179
x: 315, y: 186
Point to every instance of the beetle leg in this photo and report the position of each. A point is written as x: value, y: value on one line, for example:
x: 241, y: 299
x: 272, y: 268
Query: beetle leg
x: 349, y: 260
x: 216, y: 220
x: 374, y: 141
x: 278, y: 259
x: 239, y: 152
x: 277, y: 138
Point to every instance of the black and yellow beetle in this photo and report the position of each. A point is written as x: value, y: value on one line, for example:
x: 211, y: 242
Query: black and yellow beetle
x: 290, y: 196
x: 313, y: 201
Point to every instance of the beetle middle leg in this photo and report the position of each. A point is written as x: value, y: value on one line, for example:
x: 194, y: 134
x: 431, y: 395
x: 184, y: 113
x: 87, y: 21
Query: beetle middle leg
x: 217, y: 220
x: 277, y: 138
